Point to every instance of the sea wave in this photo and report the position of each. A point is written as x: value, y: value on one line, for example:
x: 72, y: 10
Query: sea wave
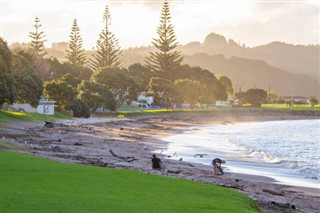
x: 285, y: 147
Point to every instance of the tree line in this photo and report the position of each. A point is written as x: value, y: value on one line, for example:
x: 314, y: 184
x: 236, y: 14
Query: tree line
x: 83, y: 85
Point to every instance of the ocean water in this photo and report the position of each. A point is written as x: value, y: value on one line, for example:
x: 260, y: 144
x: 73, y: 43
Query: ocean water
x: 286, y: 150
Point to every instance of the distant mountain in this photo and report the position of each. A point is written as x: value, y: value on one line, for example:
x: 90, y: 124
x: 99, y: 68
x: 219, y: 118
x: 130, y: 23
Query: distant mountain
x: 249, y: 73
x: 293, y: 58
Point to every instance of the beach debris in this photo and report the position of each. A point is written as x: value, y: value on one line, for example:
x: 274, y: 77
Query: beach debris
x: 277, y: 204
x: 174, y: 171
x: 273, y: 192
x: 200, y: 155
x: 78, y: 144
x: 122, y: 164
x: 51, y: 146
x: 147, y: 148
x: 227, y: 122
x: 233, y: 186
x: 95, y: 162
x: 50, y: 124
x: 127, y: 159
x: 56, y: 149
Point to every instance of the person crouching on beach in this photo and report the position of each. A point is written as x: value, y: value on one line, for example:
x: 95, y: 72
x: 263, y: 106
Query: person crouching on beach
x: 157, y: 164
x: 217, y: 166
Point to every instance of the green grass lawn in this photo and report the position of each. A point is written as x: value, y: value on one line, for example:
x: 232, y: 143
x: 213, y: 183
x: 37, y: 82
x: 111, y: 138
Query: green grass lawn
x: 6, y: 116
x: 295, y: 106
x: 32, y: 184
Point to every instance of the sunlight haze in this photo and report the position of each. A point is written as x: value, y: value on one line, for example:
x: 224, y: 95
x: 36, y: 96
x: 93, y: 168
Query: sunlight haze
x: 134, y: 23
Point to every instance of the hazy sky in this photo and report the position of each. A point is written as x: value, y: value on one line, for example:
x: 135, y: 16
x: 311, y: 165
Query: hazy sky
x: 134, y: 22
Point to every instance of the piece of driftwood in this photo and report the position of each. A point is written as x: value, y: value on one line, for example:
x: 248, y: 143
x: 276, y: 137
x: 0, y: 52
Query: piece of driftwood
x: 127, y: 159
x: 50, y: 124
x: 96, y: 162
x: 283, y: 205
x: 273, y: 192
x: 278, y: 205
x: 78, y: 144
x: 199, y: 155
x: 174, y: 171
x: 233, y: 186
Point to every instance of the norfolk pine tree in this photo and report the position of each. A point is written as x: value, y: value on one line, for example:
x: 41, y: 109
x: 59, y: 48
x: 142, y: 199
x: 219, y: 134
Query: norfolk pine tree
x: 37, y: 42
x: 76, y: 55
x: 165, y: 60
x: 108, y: 51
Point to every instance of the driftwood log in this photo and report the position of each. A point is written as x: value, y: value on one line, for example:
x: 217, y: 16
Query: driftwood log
x: 278, y: 204
x: 273, y: 192
x: 127, y: 159
x: 174, y: 171
x: 50, y: 124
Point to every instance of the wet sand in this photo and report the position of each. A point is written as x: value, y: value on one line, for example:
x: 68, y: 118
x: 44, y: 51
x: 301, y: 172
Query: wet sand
x: 129, y: 143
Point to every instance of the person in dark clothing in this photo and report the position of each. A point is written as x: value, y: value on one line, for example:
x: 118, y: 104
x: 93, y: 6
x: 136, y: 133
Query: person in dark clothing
x: 156, y: 162
x: 217, y: 166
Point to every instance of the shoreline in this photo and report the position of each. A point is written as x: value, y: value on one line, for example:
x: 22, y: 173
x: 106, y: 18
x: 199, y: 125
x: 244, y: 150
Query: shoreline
x: 183, y: 146
x: 90, y: 143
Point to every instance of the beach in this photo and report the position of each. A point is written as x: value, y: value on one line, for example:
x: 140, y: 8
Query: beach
x: 129, y: 143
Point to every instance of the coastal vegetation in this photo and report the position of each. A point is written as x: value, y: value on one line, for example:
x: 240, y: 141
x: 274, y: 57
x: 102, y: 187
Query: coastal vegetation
x: 35, y: 184
x: 7, y: 116
x: 269, y: 109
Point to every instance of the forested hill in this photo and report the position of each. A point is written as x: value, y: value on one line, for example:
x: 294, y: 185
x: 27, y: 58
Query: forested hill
x: 280, y: 65
x: 249, y: 73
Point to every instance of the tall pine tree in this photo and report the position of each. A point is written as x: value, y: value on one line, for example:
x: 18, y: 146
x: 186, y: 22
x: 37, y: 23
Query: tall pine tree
x: 76, y: 55
x: 108, y: 51
x: 37, y: 42
x: 164, y: 61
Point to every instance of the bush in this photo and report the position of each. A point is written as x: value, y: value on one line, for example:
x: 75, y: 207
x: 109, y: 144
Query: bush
x: 80, y: 109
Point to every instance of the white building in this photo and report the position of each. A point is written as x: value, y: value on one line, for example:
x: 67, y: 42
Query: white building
x: 147, y: 99
x: 46, y: 107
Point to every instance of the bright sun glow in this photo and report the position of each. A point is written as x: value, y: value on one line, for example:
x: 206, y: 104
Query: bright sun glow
x: 134, y: 23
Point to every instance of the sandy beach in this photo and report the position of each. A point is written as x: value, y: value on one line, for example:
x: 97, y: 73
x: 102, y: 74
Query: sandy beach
x: 128, y: 143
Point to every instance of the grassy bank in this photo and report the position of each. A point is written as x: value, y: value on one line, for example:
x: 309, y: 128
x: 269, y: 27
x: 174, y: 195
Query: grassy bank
x: 6, y: 116
x: 218, y: 110
x: 31, y: 184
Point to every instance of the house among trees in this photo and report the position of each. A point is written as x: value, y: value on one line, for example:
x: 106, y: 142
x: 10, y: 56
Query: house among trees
x: 296, y: 99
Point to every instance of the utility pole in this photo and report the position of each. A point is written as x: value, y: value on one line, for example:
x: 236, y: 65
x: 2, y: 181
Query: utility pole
x: 239, y: 97
x: 292, y: 96
x: 269, y: 96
